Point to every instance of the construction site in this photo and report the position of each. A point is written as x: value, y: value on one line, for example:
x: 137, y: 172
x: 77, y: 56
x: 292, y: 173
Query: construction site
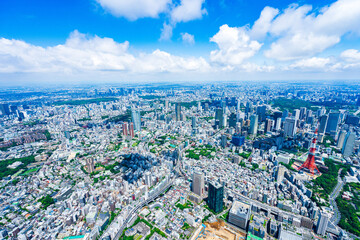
x: 216, y: 231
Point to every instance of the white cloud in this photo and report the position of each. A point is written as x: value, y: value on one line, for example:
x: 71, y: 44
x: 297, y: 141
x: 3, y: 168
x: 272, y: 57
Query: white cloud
x: 262, y: 25
x: 183, y: 11
x: 166, y: 32
x: 351, y: 55
x: 234, y: 46
x: 82, y: 53
x: 188, y: 38
x: 311, y: 63
x: 188, y: 10
x: 160, y: 61
x: 134, y: 9
x: 302, y: 32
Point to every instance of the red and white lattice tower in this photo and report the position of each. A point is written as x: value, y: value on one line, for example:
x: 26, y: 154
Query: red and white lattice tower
x: 310, y: 161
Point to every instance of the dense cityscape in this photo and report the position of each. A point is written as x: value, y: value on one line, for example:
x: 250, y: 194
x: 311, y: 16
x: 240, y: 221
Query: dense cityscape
x: 238, y: 160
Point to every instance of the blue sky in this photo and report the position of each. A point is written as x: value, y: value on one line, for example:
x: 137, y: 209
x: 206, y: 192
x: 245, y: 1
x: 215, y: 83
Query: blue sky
x: 115, y: 40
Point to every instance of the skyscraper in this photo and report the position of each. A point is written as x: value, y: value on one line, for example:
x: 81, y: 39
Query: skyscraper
x: 232, y: 120
x: 296, y: 114
x: 341, y: 139
x: 148, y: 181
x: 4, y: 108
x: 136, y: 118
x: 253, y: 124
x: 332, y: 123
x: 349, y: 143
x: 218, y: 116
x: 290, y: 127
x: 323, y: 122
x: 125, y: 129
x: 178, y: 111
x: 322, y: 223
x: 223, y: 140
x: 198, y: 183
x: 276, y: 116
x: 280, y: 173
x: 249, y: 107
x: 193, y: 122
x: 238, y: 105
x: 215, y: 197
x: 302, y: 112
x: 278, y: 124
x: 131, y: 130
x: 239, y: 214
x: 261, y: 112
x: 268, y: 125
x: 285, y: 114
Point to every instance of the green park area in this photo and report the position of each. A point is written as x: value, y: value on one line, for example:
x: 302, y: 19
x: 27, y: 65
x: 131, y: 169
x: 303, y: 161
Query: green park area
x: 5, y: 171
x: 120, y: 118
x: 204, y: 150
x: 184, y: 206
x: 292, y: 104
x: 152, y: 230
x: 46, y: 201
x: 85, y: 101
x: 350, y: 210
x: 325, y: 184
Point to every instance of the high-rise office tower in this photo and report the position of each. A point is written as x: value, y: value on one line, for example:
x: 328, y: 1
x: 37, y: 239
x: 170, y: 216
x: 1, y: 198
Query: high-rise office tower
x: 136, y: 118
x: 278, y: 124
x: 199, y: 107
x: 276, y: 116
x: 4, y: 108
x: 268, y: 125
x: 219, y: 117
x: 249, y: 107
x: 280, y: 173
x: 240, y: 213
x: 253, y: 124
x: 321, y: 111
x: 238, y: 105
x: 323, y: 122
x: 341, y: 139
x: 198, y: 183
x: 349, y: 144
x: 178, y: 111
x: 309, y: 114
x: 148, y: 181
x: 216, y: 197
x: 302, y: 113
x: 290, y: 127
x: 166, y: 104
x: 232, y: 120
x: 131, y: 130
x: 13, y: 109
x: 322, y: 223
x: 125, y: 128
x: 285, y: 114
x: 261, y: 112
x: 223, y: 141
x: 296, y: 114
x: 206, y: 107
x: 332, y: 123
x: 193, y: 122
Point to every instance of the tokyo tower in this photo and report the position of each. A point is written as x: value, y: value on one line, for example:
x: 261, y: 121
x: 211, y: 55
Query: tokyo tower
x: 310, y: 161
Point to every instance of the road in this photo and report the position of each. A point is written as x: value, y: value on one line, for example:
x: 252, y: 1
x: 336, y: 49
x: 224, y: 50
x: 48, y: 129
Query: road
x: 335, y: 193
